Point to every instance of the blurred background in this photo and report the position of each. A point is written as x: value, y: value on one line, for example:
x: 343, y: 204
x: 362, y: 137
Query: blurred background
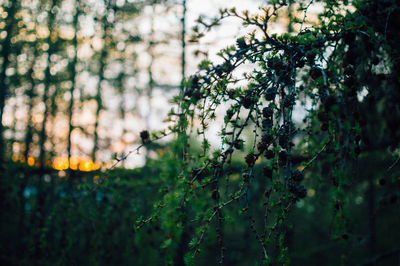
x: 81, y: 79
x: 84, y: 78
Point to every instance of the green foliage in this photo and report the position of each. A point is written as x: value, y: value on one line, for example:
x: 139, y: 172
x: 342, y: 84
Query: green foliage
x: 326, y: 147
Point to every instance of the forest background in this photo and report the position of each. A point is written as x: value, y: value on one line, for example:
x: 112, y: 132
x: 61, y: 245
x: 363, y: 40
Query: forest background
x: 137, y: 133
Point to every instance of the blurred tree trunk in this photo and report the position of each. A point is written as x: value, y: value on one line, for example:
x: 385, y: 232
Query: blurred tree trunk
x: 27, y: 140
x: 150, y: 51
x: 185, y: 237
x: 38, y: 215
x: 183, y: 43
x: 102, y: 61
x: 47, y: 84
x: 30, y: 93
x: 7, y: 204
x: 72, y: 70
x: 5, y: 52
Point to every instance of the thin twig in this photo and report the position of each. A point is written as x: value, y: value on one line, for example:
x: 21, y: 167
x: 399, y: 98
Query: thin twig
x: 137, y: 149
x: 314, y: 158
x: 305, y: 15
x: 393, y: 164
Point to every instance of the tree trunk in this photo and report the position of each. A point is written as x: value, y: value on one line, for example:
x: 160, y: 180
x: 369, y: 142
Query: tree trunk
x: 73, y: 79
x: 103, y: 58
x: 5, y: 52
x: 30, y: 93
x: 47, y: 83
